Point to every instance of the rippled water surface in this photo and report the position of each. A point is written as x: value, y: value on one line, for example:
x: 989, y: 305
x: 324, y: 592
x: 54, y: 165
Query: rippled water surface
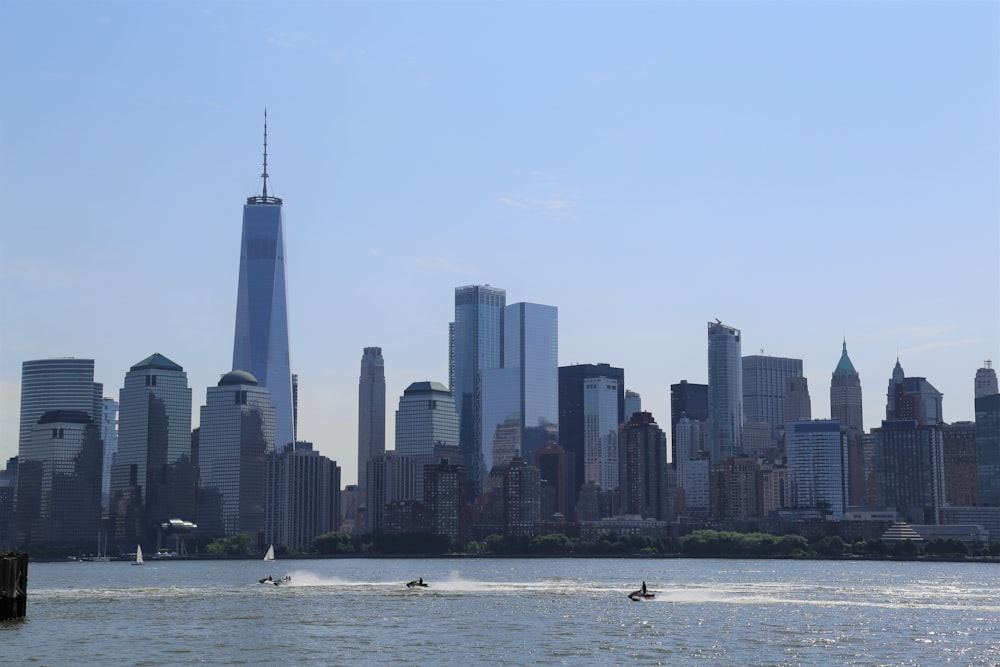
x: 509, y: 611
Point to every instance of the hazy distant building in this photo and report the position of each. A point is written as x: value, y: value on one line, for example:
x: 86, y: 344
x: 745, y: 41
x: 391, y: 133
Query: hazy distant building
x: 522, y: 507
x: 236, y: 436
x: 913, y: 398
x: 986, y: 381
x: 643, y: 468
x: 909, y: 469
x: 633, y: 403
x: 845, y: 394
x: 735, y: 489
x: 798, y: 405
x: 816, y: 464
x: 725, y: 392
x: 686, y: 400
x: 59, y: 482
x: 57, y: 384
x: 390, y: 477
x: 765, y: 383
x: 371, y: 409
x: 303, y: 497
x: 988, y: 449
x: 260, y: 343
x: 109, y: 436
x: 426, y: 419
x: 478, y: 347
x: 572, y: 423
x: 154, y: 442
x: 961, y: 481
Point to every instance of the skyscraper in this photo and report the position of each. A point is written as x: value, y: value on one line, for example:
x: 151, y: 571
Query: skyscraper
x: 237, y: 434
x: 154, y: 425
x: 909, y: 468
x: 845, y: 394
x: 260, y: 344
x: 522, y: 397
x: 725, y: 392
x: 986, y: 380
x: 57, y: 384
x: 109, y: 435
x: 913, y: 398
x: 478, y: 347
x: 371, y: 409
x: 572, y: 424
x: 644, y: 468
x: 988, y: 449
x: 600, y: 432
x: 303, y: 497
x: 816, y: 465
x: 765, y: 382
x: 426, y: 420
x: 687, y: 400
x: 633, y: 403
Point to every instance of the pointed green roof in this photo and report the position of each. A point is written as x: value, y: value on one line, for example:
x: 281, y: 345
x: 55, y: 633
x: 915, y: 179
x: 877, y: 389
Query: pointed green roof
x: 844, y: 366
x: 157, y: 361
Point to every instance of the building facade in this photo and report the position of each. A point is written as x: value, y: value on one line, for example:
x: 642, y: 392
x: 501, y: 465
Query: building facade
x: 371, y: 409
x: 988, y: 449
x: 260, y: 342
x: 725, y: 392
x: 57, y: 384
x: 845, y: 394
x: 765, y: 385
x: 236, y: 437
x: 816, y: 466
x: 391, y: 477
x: 986, y: 381
x: 303, y: 497
x: 477, y: 347
x: 909, y: 470
x: 961, y: 478
x: 643, y: 468
x: 426, y: 419
x: 688, y: 400
x: 600, y: 432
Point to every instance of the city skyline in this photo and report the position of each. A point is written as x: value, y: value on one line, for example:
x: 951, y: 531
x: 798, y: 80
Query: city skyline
x: 779, y: 167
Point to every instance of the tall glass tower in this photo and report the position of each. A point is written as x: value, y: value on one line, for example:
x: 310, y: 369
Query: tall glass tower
x: 725, y: 392
x: 478, y: 347
x: 260, y: 345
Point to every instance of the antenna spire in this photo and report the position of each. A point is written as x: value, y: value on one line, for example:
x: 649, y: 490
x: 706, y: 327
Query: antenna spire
x: 264, y: 175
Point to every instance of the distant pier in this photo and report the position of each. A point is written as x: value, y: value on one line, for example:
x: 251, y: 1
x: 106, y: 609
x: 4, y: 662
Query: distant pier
x: 13, y: 585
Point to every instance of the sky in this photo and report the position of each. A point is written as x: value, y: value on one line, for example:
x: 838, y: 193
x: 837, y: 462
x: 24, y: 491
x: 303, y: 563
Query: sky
x: 807, y: 172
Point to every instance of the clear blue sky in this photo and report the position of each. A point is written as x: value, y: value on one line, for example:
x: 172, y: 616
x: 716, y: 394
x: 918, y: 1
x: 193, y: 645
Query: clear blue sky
x: 804, y: 171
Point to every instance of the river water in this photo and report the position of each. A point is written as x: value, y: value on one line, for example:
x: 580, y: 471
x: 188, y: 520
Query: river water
x: 509, y: 611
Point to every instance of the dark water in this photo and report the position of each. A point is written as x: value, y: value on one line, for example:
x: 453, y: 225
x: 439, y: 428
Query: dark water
x: 518, y: 611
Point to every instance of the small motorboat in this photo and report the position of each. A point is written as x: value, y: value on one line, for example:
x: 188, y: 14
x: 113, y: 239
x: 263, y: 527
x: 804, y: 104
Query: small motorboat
x: 417, y: 583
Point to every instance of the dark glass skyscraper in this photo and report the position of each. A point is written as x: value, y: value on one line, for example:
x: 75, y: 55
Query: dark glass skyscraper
x: 260, y: 344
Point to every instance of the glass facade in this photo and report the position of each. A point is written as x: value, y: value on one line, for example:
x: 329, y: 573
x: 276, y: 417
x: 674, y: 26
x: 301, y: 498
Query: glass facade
x: 236, y: 435
x: 426, y: 419
x: 260, y: 344
x: 154, y: 423
x: 725, y: 392
x: 816, y: 466
x: 909, y: 469
x: 600, y: 432
x: 57, y: 384
x: 478, y: 330
x: 765, y: 383
x: 988, y: 449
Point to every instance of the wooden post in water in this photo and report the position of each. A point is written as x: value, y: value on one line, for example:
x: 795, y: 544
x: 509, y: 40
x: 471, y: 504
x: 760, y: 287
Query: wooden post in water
x: 13, y: 585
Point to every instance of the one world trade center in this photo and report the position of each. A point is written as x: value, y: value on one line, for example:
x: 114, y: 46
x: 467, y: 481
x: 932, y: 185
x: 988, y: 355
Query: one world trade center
x: 260, y: 345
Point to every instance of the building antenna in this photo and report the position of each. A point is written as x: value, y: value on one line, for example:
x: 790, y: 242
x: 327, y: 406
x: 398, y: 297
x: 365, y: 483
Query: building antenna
x: 264, y: 175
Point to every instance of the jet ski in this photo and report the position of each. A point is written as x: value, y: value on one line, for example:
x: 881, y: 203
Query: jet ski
x: 417, y: 583
x: 641, y: 595
x: 277, y: 582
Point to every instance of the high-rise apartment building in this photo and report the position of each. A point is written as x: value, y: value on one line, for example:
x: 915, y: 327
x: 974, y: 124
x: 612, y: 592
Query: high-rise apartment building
x: 961, y: 477
x: 236, y: 437
x: 444, y: 498
x: 391, y: 478
x: 425, y: 421
x: 522, y: 505
x: 986, y: 381
x: 725, y: 392
x: 689, y: 400
x: 765, y: 383
x: 572, y: 423
x: 371, y: 409
x: 643, y: 468
x: 260, y: 344
x: 816, y: 466
x: 154, y: 430
x: 909, y: 469
x: 478, y: 347
x: 303, y: 497
x: 520, y: 400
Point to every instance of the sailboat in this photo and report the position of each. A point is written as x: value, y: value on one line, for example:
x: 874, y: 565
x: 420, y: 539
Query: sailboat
x: 138, y: 556
x: 269, y: 556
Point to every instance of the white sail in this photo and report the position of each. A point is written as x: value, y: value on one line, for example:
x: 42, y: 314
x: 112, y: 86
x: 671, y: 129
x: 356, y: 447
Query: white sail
x: 138, y: 555
x: 269, y: 556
